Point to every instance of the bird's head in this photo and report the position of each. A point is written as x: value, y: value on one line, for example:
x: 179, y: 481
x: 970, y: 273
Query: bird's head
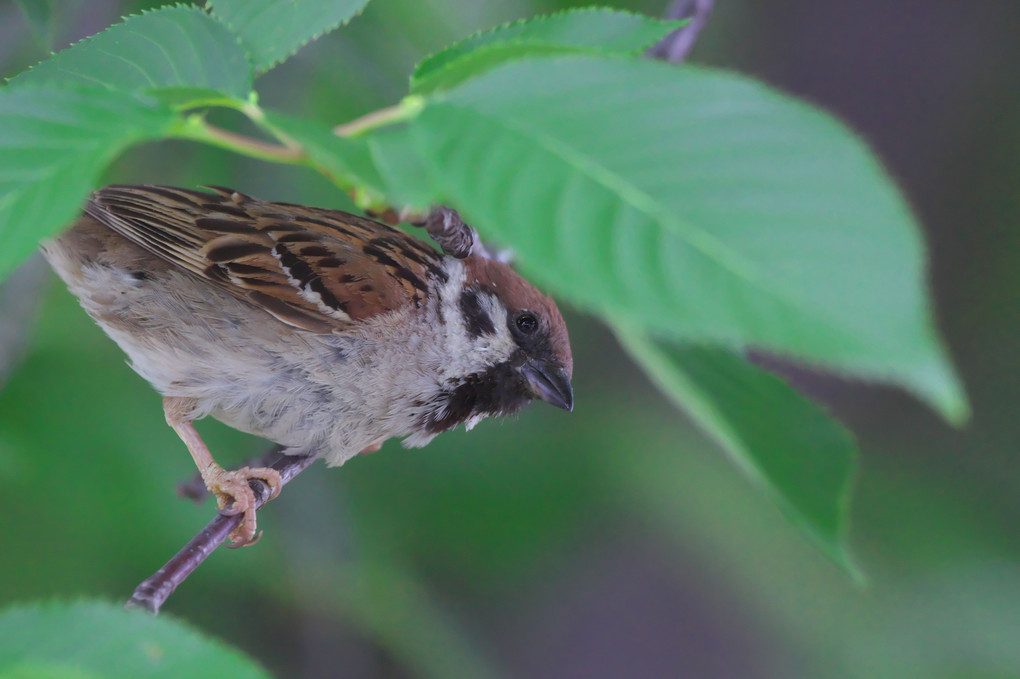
x: 515, y: 341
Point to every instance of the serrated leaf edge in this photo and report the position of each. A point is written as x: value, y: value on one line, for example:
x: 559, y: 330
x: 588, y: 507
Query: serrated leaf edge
x: 262, y: 70
x: 123, y: 21
x: 538, y: 19
x: 950, y: 402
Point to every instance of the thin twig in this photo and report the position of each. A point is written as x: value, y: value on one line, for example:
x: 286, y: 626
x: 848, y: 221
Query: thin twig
x: 675, y: 47
x: 154, y: 591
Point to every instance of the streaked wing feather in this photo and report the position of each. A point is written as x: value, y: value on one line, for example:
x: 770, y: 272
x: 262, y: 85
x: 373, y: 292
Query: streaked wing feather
x: 313, y: 268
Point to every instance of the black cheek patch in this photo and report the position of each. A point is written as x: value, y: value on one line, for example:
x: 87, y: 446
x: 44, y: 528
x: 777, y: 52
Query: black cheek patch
x: 476, y: 320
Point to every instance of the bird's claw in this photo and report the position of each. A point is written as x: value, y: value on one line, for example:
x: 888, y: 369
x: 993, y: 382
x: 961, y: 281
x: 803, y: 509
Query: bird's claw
x: 234, y: 496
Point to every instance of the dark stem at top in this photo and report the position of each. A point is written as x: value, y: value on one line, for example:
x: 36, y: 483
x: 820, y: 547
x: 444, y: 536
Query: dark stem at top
x: 675, y: 47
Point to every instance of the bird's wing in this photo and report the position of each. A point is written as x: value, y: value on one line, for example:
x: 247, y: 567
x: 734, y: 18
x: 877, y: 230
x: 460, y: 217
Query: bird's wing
x: 312, y: 268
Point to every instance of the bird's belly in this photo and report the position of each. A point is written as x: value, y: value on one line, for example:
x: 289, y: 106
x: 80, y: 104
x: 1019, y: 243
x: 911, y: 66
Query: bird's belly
x: 300, y: 391
x: 240, y: 365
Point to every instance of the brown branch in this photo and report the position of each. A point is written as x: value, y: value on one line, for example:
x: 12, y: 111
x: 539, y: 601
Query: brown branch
x: 675, y: 47
x: 155, y: 590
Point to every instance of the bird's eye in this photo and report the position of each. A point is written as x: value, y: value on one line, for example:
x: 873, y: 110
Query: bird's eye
x: 526, y: 323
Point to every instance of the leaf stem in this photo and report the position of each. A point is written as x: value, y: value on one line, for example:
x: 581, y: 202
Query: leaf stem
x: 196, y: 128
x: 408, y: 108
x: 287, y: 150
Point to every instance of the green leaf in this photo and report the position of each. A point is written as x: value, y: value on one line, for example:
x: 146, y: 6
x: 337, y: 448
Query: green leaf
x: 347, y: 162
x: 694, y: 203
x: 103, y: 640
x: 784, y: 443
x: 176, y: 47
x: 54, y: 143
x: 44, y: 670
x: 579, y: 31
x: 274, y: 30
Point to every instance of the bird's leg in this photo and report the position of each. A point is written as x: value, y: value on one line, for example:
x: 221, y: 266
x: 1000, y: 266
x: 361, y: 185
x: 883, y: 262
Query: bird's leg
x: 457, y: 238
x: 444, y: 225
x: 446, y: 228
x: 233, y: 495
x: 374, y: 448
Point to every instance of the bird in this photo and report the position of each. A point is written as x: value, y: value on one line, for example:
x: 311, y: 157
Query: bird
x: 322, y: 331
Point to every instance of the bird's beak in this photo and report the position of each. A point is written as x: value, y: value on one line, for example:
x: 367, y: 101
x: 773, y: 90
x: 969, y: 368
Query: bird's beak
x: 549, y: 383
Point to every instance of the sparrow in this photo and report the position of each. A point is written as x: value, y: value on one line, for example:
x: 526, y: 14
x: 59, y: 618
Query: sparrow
x: 319, y: 330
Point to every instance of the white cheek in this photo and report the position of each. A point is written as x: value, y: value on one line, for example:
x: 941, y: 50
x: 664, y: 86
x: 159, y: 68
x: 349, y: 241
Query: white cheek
x: 475, y: 354
x: 467, y: 354
x: 501, y: 345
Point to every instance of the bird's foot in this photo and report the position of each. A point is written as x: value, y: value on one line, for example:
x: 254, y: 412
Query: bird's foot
x: 235, y: 496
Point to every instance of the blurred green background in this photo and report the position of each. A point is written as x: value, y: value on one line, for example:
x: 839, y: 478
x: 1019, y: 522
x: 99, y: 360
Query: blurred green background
x: 614, y: 542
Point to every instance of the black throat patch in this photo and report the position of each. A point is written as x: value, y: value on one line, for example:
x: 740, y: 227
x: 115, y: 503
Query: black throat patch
x: 501, y: 390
